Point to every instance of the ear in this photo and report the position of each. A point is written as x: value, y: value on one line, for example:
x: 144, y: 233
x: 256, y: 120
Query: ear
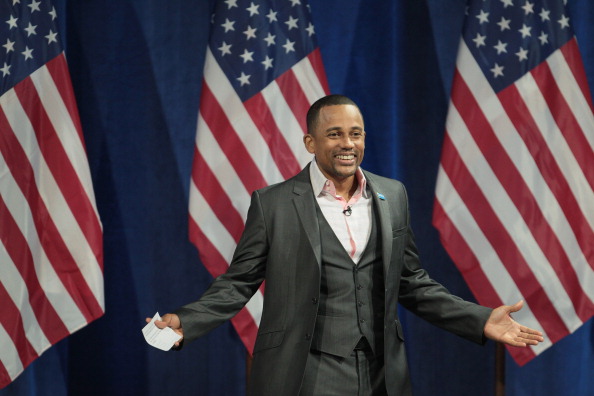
x: 309, y: 142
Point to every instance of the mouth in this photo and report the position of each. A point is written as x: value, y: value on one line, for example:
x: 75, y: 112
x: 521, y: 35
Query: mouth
x: 346, y: 159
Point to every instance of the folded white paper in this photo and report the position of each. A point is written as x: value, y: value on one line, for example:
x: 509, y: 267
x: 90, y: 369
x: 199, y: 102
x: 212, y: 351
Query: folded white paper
x: 160, y: 338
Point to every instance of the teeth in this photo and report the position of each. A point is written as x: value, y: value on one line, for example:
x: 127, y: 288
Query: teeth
x: 345, y: 157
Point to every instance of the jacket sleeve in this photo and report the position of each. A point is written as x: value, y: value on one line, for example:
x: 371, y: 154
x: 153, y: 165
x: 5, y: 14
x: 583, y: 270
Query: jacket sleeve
x: 231, y: 291
x: 428, y: 299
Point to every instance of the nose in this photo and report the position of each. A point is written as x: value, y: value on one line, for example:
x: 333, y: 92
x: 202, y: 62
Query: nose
x: 347, y: 142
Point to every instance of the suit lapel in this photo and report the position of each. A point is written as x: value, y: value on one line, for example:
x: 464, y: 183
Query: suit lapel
x: 305, y: 205
x: 306, y: 209
x: 383, y: 210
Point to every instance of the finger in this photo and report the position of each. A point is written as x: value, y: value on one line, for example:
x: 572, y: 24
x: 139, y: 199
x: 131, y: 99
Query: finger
x: 529, y: 338
x: 517, y: 343
x: 160, y: 324
x: 527, y: 341
x: 517, y: 306
x: 528, y: 330
x: 532, y: 339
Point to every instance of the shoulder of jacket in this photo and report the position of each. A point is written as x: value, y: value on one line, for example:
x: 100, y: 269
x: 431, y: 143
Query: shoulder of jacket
x: 286, y: 186
x: 384, y: 182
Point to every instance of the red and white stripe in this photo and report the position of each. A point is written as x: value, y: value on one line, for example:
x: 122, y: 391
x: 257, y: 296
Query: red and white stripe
x: 515, y: 192
x: 51, y: 260
x: 241, y: 147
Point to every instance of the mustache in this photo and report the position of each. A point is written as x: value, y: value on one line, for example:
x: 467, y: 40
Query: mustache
x: 346, y: 151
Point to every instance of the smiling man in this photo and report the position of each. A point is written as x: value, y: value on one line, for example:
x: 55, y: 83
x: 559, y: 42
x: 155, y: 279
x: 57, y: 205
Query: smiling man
x: 335, y: 247
x: 337, y: 139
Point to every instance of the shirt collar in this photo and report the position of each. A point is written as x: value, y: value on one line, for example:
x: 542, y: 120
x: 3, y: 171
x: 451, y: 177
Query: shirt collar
x: 318, y: 180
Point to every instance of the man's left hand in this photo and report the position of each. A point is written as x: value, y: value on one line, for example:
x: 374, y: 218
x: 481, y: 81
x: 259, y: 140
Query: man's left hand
x: 502, y: 328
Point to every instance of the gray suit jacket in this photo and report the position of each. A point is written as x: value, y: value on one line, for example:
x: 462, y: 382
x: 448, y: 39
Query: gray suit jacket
x: 281, y: 243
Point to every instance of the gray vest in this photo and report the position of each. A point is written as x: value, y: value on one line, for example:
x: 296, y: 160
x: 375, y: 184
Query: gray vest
x: 351, y: 302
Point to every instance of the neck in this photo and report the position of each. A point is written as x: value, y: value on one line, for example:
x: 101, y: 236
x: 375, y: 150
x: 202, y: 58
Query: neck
x: 347, y: 187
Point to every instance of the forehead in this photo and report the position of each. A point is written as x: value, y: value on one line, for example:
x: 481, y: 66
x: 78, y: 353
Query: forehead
x: 345, y: 116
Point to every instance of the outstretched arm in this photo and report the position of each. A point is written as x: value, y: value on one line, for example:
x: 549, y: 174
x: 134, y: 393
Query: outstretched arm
x: 502, y: 328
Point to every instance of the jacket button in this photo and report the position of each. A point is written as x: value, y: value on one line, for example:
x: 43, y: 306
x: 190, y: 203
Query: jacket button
x: 314, y: 300
x: 308, y: 337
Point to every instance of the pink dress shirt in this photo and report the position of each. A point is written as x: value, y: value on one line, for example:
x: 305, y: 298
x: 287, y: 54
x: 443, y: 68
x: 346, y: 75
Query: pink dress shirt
x: 350, y: 221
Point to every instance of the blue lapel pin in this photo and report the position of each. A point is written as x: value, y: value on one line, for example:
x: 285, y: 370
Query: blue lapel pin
x: 381, y: 196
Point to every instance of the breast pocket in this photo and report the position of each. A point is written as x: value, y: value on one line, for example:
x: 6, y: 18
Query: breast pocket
x: 398, y: 232
x: 398, y: 240
x: 399, y: 331
x: 268, y: 340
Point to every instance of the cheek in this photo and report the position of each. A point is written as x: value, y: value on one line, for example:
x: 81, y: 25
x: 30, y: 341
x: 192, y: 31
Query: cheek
x: 326, y: 149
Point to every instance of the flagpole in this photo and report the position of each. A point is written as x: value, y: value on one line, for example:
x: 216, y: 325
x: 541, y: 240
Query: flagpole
x: 248, y: 368
x: 500, y: 370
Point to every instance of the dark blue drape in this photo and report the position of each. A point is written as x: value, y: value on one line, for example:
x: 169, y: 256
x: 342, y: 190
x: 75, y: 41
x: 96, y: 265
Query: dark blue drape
x: 136, y: 67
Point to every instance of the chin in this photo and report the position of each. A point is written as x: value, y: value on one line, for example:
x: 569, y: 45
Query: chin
x: 346, y: 173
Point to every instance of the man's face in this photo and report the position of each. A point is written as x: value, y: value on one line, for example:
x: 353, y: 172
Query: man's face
x: 338, y: 141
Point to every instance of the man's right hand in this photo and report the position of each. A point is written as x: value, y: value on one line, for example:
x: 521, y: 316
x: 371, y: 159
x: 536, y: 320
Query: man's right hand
x: 172, y: 321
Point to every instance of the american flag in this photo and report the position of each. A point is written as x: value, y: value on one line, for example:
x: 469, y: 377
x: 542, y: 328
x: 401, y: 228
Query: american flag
x: 262, y: 71
x: 514, y: 197
x: 51, y: 261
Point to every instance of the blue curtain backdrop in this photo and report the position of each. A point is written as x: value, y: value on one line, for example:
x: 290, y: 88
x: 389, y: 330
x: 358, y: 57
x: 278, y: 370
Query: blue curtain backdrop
x: 136, y: 67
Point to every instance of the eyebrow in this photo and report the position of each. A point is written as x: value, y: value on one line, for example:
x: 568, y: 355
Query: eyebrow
x: 337, y: 128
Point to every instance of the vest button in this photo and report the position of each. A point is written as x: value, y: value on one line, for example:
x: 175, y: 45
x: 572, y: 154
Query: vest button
x: 360, y: 303
x: 314, y: 300
x: 361, y: 320
x: 308, y: 337
x: 359, y: 287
